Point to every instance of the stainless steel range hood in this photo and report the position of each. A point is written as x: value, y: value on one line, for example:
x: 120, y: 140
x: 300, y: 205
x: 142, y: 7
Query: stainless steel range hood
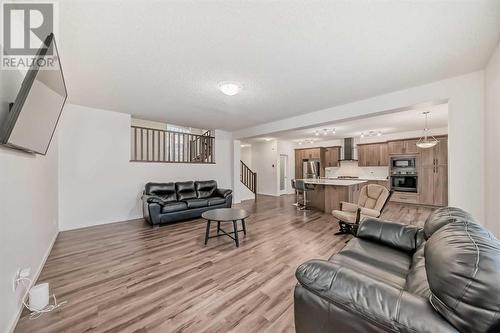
x: 348, y: 151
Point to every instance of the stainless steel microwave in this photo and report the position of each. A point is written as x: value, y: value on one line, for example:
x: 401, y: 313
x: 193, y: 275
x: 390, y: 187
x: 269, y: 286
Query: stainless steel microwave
x: 403, y: 162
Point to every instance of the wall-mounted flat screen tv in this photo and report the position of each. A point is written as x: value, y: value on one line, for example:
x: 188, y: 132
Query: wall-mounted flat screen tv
x: 33, y: 117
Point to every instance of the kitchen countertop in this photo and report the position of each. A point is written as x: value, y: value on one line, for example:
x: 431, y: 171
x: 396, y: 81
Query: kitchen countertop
x: 362, y: 178
x: 334, y: 182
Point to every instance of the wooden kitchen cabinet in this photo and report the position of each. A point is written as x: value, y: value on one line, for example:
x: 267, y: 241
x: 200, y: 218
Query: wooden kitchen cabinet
x: 332, y: 155
x: 311, y: 153
x: 384, y: 154
x: 433, y: 174
x: 401, y: 147
x: 308, y: 154
x: 299, y: 156
x: 373, y: 154
x: 396, y: 147
x: 411, y: 146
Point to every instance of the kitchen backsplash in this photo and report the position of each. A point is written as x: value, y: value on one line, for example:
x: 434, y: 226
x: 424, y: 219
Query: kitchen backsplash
x: 351, y: 168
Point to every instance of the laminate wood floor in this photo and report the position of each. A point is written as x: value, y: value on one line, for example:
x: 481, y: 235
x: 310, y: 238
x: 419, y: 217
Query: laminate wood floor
x: 129, y: 277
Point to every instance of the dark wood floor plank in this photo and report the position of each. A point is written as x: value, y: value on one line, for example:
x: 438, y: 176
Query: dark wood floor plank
x: 129, y: 277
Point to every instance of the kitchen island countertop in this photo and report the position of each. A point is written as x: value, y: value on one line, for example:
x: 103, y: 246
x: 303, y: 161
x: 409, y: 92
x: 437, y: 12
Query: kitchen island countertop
x: 334, y: 182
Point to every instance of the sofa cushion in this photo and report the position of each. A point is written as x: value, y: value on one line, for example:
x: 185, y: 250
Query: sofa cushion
x: 216, y: 201
x: 173, y: 207
x: 416, y: 280
x: 166, y: 191
x: 196, y: 203
x: 185, y: 190
x: 375, y: 260
x: 396, y: 235
x: 441, y: 217
x: 462, y: 260
x: 205, y: 189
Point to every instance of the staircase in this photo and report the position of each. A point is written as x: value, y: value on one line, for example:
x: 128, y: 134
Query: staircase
x: 201, y: 148
x: 248, y: 178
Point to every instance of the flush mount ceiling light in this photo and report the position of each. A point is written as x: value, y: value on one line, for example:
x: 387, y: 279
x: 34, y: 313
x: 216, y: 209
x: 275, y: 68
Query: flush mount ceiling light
x: 426, y: 141
x: 229, y: 88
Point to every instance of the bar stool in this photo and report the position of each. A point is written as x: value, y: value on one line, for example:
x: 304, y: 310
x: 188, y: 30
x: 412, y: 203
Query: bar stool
x: 294, y: 186
x: 304, y: 188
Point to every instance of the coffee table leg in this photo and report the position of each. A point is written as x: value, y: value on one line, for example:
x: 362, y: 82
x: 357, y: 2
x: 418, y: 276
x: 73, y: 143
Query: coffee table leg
x: 218, y: 227
x: 244, y: 227
x: 235, y: 227
x: 207, y: 232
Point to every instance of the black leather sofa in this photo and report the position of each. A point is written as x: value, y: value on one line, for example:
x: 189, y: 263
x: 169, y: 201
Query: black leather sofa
x: 171, y: 202
x: 400, y: 278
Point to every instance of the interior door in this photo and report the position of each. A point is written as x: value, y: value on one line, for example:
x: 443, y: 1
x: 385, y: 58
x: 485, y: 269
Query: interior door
x: 283, y: 174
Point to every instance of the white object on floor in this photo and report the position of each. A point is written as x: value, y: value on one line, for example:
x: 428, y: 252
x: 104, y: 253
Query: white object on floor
x: 39, y: 296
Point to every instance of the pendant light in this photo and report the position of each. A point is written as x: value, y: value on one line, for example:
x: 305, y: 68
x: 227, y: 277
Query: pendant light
x: 426, y: 141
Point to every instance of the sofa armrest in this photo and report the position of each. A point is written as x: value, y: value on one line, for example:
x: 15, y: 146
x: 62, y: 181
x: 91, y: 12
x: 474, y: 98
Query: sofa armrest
x: 221, y: 192
x: 397, y: 235
x: 348, y: 207
x: 370, y: 212
x: 152, y: 199
x: 151, y: 210
x: 344, y: 294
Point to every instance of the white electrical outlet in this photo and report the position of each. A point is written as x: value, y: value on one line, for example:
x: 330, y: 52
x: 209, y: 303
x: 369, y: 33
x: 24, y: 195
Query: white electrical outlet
x: 21, y: 273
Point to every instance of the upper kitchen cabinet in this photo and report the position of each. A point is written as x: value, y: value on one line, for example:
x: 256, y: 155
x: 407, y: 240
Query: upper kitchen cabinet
x: 401, y: 147
x: 332, y: 155
x: 311, y: 153
x: 373, y: 154
x: 308, y: 154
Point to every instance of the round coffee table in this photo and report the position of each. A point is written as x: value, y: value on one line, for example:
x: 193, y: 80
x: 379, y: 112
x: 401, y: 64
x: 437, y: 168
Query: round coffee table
x: 226, y: 215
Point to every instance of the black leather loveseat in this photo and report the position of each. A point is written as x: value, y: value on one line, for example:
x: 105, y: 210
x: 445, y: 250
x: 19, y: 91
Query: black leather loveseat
x: 400, y: 278
x: 170, y: 202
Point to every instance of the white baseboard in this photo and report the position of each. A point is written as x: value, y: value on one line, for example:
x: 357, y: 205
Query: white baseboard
x: 33, y: 281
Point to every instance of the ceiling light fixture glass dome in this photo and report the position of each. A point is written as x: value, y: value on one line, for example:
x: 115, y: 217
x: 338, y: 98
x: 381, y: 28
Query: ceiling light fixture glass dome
x: 426, y: 141
x: 229, y: 88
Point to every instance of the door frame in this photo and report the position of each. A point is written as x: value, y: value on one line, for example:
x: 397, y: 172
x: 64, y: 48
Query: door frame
x: 285, y: 190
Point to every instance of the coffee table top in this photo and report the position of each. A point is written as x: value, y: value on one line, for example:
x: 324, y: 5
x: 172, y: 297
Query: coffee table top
x: 225, y: 214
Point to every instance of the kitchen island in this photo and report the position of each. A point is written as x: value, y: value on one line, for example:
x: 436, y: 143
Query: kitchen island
x: 328, y: 193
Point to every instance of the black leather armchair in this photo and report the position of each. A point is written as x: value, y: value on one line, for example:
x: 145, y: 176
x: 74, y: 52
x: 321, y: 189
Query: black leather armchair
x: 171, y: 202
x: 400, y: 278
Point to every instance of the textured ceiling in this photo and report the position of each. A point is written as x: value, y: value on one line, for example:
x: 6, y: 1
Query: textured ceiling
x: 162, y: 60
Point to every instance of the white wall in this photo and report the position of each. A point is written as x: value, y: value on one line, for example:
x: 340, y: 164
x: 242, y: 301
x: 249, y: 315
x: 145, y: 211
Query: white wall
x: 264, y: 162
x: 492, y: 139
x: 465, y: 96
x: 28, y: 210
x: 246, y: 155
x: 99, y: 185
